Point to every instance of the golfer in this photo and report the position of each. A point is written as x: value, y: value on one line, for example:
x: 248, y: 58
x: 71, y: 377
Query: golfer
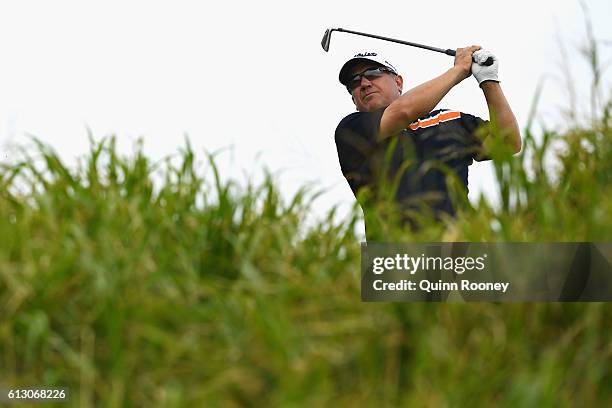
x: 396, y: 136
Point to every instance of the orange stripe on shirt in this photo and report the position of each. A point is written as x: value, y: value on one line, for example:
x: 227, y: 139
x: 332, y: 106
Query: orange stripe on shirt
x: 440, y: 117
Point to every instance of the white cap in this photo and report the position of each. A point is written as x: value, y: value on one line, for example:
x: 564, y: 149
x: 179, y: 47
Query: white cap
x: 362, y: 56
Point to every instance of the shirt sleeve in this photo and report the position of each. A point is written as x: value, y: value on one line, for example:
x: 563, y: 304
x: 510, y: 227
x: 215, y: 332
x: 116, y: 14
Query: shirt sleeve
x: 356, y: 141
x: 471, y: 123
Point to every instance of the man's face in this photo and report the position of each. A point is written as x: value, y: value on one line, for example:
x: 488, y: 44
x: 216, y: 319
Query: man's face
x: 376, y: 93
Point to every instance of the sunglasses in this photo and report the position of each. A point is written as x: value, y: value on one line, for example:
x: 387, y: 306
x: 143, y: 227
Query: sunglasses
x: 369, y: 74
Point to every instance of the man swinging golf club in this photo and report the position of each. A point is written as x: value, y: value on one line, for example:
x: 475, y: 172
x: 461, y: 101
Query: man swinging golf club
x: 397, y: 135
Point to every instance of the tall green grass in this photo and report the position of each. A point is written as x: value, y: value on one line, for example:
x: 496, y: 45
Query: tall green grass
x: 197, y: 291
x: 159, y: 284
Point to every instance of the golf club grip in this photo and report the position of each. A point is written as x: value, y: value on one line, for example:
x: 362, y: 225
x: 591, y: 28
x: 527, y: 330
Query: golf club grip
x: 452, y: 53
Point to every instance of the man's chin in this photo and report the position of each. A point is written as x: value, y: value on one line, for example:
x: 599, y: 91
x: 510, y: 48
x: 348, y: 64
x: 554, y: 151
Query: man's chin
x: 373, y: 105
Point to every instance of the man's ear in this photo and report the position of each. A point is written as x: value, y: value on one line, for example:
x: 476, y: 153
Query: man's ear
x: 400, y: 83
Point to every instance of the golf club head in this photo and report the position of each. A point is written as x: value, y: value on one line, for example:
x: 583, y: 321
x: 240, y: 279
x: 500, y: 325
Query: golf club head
x: 326, y: 39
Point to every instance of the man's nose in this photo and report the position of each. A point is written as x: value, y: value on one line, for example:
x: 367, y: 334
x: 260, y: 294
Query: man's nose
x: 365, y: 81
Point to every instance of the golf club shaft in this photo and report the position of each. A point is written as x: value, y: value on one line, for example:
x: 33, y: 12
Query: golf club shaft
x: 380, y: 37
x: 450, y: 52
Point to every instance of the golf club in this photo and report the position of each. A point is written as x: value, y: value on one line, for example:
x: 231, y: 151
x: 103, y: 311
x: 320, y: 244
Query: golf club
x: 327, y: 38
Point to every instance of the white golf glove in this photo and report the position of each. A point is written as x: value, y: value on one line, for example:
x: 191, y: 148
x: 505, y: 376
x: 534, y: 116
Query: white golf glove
x: 483, y: 72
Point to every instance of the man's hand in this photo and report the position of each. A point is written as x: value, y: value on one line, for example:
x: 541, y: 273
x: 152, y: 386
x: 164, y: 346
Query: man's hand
x: 463, y: 61
x: 484, y: 73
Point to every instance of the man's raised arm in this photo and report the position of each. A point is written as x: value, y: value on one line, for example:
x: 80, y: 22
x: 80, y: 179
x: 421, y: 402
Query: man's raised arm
x: 499, y: 109
x: 422, y: 99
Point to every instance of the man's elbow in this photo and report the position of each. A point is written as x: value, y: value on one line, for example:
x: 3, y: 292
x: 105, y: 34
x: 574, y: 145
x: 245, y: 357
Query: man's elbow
x: 516, y: 138
x: 516, y: 142
x: 396, y: 118
x: 512, y: 136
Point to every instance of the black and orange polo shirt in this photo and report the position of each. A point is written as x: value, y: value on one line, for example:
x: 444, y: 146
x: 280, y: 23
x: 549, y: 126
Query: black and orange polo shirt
x: 419, y: 158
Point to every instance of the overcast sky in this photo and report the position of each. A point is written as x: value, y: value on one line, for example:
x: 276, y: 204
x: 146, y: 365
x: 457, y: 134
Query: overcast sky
x: 252, y: 76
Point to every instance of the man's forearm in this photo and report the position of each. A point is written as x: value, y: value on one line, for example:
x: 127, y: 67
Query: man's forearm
x: 423, y: 99
x: 417, y: 102
x: 500, y: 110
